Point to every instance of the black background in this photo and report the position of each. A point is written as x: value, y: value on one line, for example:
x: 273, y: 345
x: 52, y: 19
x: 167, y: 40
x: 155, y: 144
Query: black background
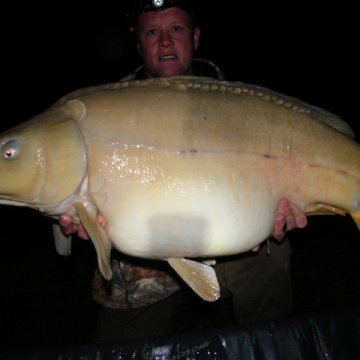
x: 308, y: 50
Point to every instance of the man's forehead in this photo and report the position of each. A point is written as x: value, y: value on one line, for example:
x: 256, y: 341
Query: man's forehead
x: 167, y: 16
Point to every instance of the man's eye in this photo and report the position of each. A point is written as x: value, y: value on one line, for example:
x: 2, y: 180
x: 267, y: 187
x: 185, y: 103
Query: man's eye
x: 152, y: 32
x: 176, y: 28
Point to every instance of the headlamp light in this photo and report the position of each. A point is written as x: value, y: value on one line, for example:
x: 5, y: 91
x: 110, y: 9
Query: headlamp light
x: 144, y: 6
x: 158, y: 3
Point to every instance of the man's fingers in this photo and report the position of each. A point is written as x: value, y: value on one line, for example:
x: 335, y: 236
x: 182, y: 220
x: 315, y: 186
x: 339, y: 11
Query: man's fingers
x: 101, y: 221
x: 280, y: 222
x: 284, y: 207
x: 300, y: 217
x: 81, y: 232
x: 65, y: 221
x: 68, y: 227
x: 289, y: 217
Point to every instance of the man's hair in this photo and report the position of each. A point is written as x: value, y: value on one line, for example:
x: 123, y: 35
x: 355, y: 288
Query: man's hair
x: 144, y: 6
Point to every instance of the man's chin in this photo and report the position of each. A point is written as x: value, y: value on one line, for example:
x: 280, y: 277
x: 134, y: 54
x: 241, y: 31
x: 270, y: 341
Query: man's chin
x: 170, y: 71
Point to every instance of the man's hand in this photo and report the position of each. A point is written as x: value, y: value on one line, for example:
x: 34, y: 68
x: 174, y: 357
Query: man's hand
x: 69, y: 227
x: 289, y: 217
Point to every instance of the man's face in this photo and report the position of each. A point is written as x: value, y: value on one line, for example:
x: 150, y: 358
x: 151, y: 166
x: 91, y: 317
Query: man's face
x: 167, y: 41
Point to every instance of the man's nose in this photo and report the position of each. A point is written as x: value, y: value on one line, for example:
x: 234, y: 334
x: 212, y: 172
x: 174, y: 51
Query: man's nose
x: 166, y: 39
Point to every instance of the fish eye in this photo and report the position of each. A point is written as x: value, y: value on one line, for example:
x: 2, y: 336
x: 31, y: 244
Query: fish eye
x: 10, y: 149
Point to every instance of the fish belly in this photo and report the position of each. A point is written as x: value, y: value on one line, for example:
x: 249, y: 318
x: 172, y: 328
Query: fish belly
x: 165, y: 205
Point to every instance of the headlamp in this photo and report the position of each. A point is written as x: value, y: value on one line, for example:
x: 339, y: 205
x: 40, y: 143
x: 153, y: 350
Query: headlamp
x: 144, y: 6
x: 158, y: 3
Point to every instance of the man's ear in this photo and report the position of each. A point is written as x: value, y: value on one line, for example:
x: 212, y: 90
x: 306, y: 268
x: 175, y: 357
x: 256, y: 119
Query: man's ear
x: 196, y: 37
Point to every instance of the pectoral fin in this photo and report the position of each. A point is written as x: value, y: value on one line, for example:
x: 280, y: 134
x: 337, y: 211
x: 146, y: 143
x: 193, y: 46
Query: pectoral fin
x: 87, y: 212
x: 209, y: 262
x: 356, y: 217
x: 323, y: 209
x: 200, y: 277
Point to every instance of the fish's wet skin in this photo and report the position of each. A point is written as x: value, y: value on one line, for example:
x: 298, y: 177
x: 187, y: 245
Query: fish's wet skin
x: 181, y: 168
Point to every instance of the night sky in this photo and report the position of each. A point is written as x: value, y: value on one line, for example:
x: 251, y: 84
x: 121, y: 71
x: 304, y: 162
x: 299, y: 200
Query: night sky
x: 308, y: 50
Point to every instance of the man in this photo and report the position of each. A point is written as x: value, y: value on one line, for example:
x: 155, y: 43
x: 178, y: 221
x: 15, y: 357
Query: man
x: 143, y: 301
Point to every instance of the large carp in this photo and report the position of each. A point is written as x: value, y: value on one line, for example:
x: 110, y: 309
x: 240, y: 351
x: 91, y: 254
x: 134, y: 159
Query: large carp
x: 180, y: 167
